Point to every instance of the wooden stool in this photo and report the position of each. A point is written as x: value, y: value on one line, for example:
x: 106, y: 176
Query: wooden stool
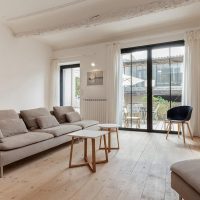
x: 110, y: 128
x: 88, y: 134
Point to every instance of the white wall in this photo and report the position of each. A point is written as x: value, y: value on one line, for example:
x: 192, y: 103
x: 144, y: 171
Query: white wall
x: 86, y: 55
x: 97, y: 53
x: 153, y: 39
x: 24, y: 72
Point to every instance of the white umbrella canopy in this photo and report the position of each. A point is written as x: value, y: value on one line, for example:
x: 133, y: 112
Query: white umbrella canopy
x: 127, y: 80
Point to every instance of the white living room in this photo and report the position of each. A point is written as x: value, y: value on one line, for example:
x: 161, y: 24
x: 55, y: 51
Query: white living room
x: 99, y: 100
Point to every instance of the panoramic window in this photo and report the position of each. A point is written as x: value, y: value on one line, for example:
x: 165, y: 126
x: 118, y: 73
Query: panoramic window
x: 152, y: 83
x: 70, y: 86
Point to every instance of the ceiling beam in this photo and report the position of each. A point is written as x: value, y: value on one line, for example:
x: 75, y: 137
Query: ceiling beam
x: 44, y: 11
x: 119, y: 15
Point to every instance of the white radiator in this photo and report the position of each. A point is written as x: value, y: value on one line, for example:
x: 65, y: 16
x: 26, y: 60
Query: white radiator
x: 94, y: 109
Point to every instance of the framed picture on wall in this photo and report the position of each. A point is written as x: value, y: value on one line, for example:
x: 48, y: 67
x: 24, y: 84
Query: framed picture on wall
x: 95, y: 78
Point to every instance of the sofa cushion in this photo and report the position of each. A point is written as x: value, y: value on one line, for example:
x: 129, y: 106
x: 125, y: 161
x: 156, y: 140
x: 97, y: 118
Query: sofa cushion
x: 61, y: 130
x: 47, y: 122
x: 61, y: 111
x: 12, y: 127
x: 22, y: 140
x: 73, y: 117
x: 189, y: 171
x: 8, y: 114
x: 1, y: 136
x: 85, y: 123
x: 29, y: 116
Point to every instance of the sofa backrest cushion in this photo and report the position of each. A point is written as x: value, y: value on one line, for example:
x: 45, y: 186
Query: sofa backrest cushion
x: 11, y: 127
x: 73, y: 117
x: 47, y: 122
x: 29, y: 116
x: 8, y: 114
x: 61, y: 111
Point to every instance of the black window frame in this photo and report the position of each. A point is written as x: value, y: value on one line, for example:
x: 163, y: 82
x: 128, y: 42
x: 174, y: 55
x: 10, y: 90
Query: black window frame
x: 149, y: 49
x: 62, y: 68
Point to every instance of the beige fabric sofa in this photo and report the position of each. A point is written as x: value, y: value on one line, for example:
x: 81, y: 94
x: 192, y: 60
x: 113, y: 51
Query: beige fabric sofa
x: 35, y: 139
x: 185, y: 179
x: 60, y: 112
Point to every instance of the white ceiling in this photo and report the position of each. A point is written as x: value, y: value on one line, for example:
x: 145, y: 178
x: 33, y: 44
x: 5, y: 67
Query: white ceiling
x: 72, y: 23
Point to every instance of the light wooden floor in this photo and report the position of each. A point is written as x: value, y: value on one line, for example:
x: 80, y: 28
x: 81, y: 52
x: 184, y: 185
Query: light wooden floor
x: 139, y: 170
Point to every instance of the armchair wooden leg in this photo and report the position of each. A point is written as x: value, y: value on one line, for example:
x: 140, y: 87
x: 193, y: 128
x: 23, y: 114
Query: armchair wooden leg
x: 169, y: 129
x: 189, y: 129
x: 183, y: 129
x: 166, y: 125
x: 178, y: 130
x: 1, y: 173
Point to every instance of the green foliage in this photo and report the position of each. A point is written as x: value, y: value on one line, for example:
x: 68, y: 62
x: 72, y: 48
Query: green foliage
x: 164, y: 105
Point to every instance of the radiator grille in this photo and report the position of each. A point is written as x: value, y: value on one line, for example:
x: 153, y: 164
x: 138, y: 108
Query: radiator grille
x: 94, y: 109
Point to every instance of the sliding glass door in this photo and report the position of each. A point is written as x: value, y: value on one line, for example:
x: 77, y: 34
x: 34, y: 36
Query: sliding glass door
x: 135, y: 90
x: 152, y: 83
x: 168, y: 82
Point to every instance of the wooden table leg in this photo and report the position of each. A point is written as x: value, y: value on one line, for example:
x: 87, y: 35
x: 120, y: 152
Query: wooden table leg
x: 71, y: 152
x: 93, y: 156
x: 117, y: 131
x: 92, y: 164
x: 105, y: 146
x: 85, y: 149
x: 100, y: 142
x: 109, y: 140
x: 101, y: 129
x: 109, y: 147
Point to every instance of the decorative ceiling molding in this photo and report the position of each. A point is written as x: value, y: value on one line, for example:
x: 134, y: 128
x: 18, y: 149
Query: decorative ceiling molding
x: 54, y: 8
x: 119, y: 15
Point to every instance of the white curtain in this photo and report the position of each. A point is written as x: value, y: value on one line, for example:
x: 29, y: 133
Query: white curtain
x: 54, y: 84
x: 192, y: 78
x: 114, y: 84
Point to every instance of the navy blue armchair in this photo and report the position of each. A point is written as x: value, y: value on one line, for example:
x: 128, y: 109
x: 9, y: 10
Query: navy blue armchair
x: 180, y: 115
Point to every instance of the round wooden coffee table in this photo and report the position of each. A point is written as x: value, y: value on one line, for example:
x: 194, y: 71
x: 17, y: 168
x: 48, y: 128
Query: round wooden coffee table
x: 111, y: 128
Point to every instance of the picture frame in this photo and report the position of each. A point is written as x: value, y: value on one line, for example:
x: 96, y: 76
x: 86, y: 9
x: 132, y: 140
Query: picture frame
x: 95, y: 78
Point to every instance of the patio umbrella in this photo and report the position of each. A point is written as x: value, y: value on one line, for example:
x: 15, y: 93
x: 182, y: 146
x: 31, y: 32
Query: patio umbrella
x: 127, y: 80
